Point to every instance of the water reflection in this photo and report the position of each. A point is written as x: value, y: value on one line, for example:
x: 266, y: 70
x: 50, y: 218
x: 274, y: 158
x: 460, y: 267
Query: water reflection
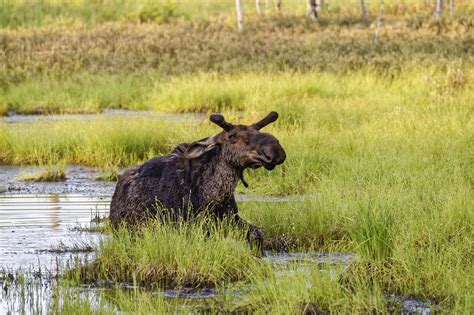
x: 32, y: 225
x: 55, y: 212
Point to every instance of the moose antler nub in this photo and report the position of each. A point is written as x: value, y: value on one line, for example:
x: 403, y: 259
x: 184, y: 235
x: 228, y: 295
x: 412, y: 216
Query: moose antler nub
x: 271, y: 117
x: 219, y: 120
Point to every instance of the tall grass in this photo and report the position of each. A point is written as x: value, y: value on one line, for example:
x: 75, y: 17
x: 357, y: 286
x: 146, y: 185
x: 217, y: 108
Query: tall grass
x: 199, y: 253
x: 78, y: 94
x: 61, y: 64
x: 336, y: 129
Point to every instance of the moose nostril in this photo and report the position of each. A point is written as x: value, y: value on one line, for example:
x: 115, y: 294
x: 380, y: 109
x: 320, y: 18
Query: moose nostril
x: 267, y: 155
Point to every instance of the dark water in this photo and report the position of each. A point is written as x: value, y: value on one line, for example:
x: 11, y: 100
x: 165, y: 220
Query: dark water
x: 40, y: 234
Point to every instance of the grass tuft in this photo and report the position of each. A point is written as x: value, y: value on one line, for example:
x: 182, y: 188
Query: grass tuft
x: 191, y: 254
x: 50, y: 173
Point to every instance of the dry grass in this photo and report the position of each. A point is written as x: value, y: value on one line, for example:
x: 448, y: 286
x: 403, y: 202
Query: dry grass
x: 188, y: 46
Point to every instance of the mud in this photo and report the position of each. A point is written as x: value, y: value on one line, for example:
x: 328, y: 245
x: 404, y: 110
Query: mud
x: 79, y: 180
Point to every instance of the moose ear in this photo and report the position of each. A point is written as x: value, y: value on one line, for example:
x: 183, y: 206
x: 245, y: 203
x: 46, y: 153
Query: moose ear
x: 271, y: 117
x: 196, y: 149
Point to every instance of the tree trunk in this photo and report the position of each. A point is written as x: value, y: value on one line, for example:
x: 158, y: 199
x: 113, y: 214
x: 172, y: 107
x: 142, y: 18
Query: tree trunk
x: 267, y: 6
x: 318, y: 6
x: 239, y: 6
x: 278, y: 5
x: 379, y: 23
x: 451, y: 7
x: 364, y: 9
x: 439, y: 9
x: 313, y: 14
x: 328, y: 7
x: 258, y: 4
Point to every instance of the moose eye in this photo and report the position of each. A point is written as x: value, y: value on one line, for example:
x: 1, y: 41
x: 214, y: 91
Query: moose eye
x: 232, y: 137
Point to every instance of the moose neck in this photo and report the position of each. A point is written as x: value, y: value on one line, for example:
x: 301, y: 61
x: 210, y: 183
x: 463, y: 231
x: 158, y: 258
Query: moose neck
x: 217, y: 181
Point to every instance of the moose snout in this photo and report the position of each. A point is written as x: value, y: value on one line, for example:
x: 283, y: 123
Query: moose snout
x: 272, y: 155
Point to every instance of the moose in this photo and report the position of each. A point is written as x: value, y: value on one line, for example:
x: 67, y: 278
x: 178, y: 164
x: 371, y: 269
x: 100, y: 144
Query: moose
x: 198, y: 176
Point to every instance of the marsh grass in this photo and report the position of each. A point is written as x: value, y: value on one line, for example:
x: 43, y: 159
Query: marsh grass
x: 122, y: 65
x: 109, y: 173
x: 49, y: 173
x: 379, y: 138
x: 197, y: 253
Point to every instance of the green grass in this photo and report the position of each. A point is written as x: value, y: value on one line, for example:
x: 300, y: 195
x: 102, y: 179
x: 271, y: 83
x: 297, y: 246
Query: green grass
x: 388, y: 163
x: 335, y: 128
x: 181, y: 254
x: 78, y: 94
x: 50, y: 173
x: 121, y: 65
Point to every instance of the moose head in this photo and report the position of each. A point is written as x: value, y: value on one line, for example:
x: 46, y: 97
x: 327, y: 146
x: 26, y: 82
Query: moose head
x: 243, y: 146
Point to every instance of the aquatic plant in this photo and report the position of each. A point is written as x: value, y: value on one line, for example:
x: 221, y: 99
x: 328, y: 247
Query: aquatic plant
x: 50, y: 173
x: 195, y: 253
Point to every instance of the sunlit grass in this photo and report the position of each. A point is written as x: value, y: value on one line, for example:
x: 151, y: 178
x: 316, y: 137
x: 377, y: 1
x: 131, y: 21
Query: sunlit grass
x: 49, y: 173
x: 200, y: 253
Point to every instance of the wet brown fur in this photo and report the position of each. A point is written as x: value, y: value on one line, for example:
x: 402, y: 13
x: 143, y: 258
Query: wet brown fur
x: 197, y: 176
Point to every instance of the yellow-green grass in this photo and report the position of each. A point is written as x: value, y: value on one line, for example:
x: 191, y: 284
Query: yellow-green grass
x: 388, y: 161
x: 120, y: 64
x: 353, y: 128
x: 194, y: 253
x: 404, y: 245
x: 77, y: 94
x: 50, y: 173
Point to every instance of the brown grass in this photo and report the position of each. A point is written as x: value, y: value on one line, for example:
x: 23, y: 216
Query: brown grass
x: 288, y: 42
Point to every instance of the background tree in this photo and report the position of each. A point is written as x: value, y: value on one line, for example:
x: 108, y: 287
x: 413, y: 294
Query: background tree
x: 364, y: 9
x: 312, y: 5
x: 379, y: 23
x: 239, y: 6
x: 278, y: 5
x: 328, y: 7
x: 258, y: 4
x: 439, y: 8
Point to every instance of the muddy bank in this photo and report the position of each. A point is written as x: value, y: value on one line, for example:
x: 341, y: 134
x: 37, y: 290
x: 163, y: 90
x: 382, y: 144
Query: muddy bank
x: 79, y: 180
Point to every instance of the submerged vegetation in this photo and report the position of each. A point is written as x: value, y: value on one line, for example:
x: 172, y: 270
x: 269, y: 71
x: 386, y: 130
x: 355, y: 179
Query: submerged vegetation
x: 379, y: 141
x: 50, y: 173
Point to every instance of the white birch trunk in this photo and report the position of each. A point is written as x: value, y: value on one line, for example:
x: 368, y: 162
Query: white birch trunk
x: 267, y: 6
x: 364, y: 9
x: 239, y: 6
x: 439, y: 9
x: 379, y: 23
x: 313, y: 14
x: 318, y: 6
x: 451, y: 7
x: 278, y: 5
x: 258, y: 4
x: 328, y: 7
